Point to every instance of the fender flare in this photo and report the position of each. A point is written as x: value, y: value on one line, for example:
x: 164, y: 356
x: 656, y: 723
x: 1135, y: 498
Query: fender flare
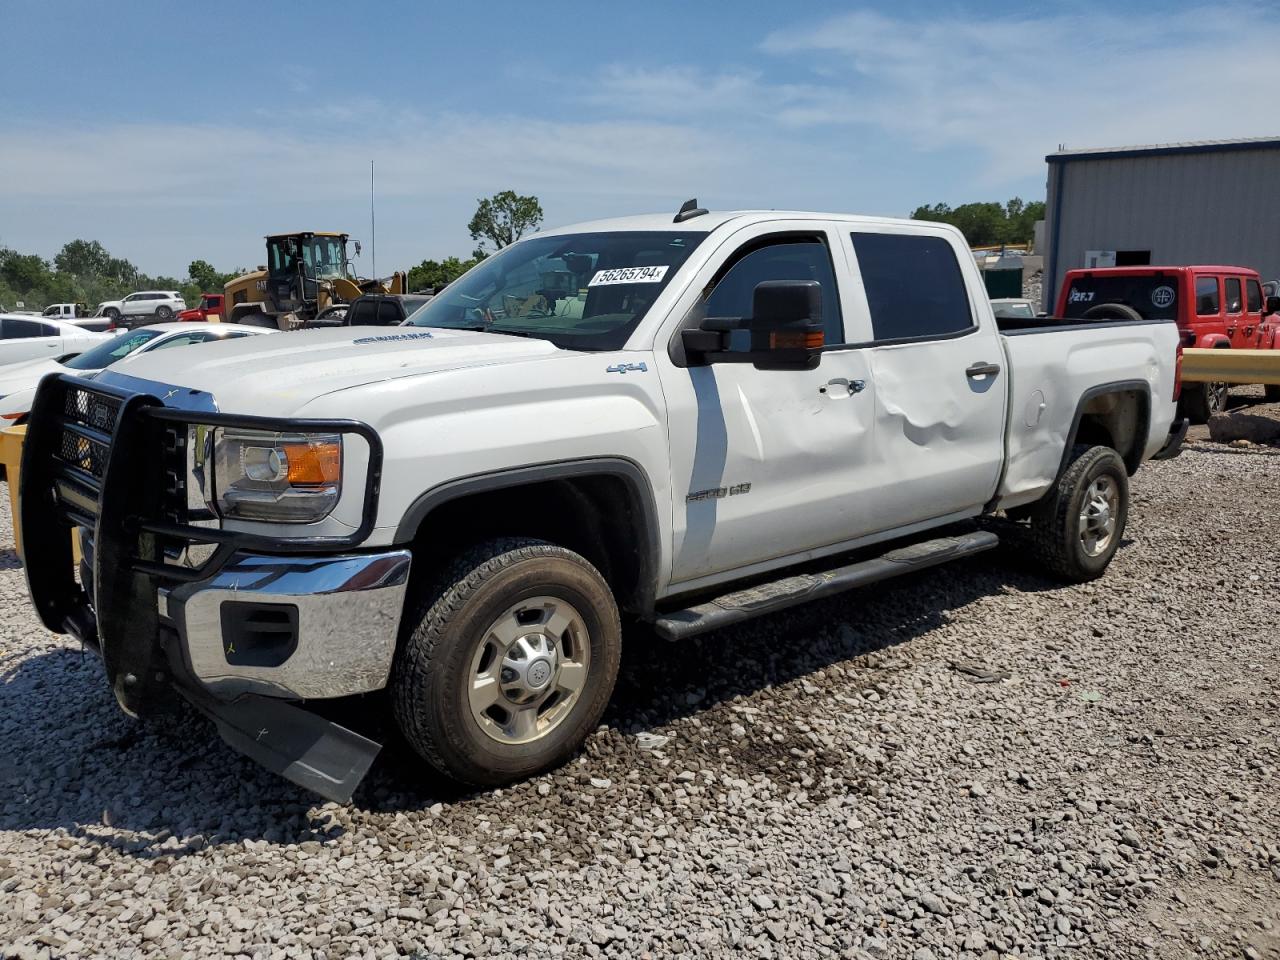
x: 648, y: 541
x: 1214, y: 341
x: 1140, y: 387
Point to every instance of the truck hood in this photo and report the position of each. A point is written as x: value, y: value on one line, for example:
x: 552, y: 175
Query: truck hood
x: 277, y: 376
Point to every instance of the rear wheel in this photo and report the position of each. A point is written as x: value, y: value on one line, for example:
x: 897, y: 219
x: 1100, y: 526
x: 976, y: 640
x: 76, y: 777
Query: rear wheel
x: 164, y: 313
x: 1200, y: 401
x: 1077, y: 527
x: 508, y: 662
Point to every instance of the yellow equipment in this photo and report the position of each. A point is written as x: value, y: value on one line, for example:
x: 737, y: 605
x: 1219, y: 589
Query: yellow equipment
x: 307, y: 274
x: 1231, y: 366
x: 11, y: 443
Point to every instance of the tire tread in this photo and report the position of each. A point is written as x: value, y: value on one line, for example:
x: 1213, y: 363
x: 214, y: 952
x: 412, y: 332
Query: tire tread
x: 1050, y: 521
x: 426, y: 628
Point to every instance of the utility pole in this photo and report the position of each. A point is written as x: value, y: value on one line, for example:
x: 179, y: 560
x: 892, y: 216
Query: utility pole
x: 373, y: 225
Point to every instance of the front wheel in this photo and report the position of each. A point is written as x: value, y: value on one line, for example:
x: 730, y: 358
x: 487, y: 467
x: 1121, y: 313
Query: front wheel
x: 507, y: 663
x: 1077, y: 527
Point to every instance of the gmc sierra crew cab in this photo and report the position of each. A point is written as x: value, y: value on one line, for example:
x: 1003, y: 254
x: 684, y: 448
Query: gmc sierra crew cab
x: 685, y: 421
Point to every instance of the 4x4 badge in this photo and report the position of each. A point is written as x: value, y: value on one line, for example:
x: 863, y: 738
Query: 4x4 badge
x: 626, y: 368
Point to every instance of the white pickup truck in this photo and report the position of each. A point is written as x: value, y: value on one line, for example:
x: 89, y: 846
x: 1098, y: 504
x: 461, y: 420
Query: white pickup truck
x: 685, y: 421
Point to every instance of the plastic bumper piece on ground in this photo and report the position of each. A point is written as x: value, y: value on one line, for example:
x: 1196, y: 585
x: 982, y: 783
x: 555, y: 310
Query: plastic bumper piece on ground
x: 295, y: 627
x: 300, y: 746
x: 1173, y: 446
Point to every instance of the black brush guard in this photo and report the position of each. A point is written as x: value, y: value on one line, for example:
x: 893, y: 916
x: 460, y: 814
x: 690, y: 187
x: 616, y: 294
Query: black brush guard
x: 114, y: 463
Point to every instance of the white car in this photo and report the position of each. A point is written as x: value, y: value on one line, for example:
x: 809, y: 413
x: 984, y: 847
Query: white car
x: 32, y: 338
x: 160, y: 304
x: 18, y: 382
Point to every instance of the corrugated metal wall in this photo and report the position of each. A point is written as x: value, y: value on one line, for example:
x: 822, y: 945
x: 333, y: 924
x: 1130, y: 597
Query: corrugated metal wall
x: 1204, y: 207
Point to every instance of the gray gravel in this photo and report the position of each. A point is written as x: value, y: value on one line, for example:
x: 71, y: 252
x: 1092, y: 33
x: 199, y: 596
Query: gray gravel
x: 831, y: 784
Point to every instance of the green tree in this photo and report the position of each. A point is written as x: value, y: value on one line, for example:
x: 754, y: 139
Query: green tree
x: 986, y: 224
x: 504, y: 218
x: 83, y: 258
x: 23, y: 272
x: 204, y: 275
x: 431, y: 274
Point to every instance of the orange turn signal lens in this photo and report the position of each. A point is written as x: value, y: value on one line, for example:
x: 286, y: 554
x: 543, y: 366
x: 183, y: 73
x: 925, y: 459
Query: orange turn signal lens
x: 314, y: 463
x: 797, y: 340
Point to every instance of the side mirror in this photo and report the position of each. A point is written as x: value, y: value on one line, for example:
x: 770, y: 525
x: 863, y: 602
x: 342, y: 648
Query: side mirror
x: 1272, y: 306
x: 357, y: 248
x: 785, y: 326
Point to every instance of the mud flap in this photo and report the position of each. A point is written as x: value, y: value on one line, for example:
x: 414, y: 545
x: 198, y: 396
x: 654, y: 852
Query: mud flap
x: 315, y: 753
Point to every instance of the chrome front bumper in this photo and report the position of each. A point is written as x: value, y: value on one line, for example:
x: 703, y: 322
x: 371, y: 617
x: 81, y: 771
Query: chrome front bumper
x: 335, y: 619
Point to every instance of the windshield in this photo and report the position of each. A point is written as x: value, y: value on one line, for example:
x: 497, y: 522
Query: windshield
x: 322, y: 257
x: 584, y: 291
x: 1014, y: 311
x: 108, y: 352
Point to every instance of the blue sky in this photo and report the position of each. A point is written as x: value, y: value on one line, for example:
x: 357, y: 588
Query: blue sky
x: 169, y: 137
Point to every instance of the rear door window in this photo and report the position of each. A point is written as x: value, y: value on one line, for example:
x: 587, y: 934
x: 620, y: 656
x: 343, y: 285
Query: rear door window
x: 1235, y: 300
x: 1208, y: 301
x: 23, y: 329
x: 915, y: 290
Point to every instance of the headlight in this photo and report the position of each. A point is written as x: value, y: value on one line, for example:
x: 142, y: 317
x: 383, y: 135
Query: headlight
x: 283, y: 477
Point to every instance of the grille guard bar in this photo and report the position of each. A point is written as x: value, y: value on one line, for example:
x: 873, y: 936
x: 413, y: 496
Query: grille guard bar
x: 85, y: 438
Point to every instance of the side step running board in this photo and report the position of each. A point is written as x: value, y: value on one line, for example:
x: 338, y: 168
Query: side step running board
x: 768, y: 597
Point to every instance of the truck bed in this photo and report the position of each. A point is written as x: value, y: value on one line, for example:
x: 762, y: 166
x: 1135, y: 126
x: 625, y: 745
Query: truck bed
x: 1055, y: 373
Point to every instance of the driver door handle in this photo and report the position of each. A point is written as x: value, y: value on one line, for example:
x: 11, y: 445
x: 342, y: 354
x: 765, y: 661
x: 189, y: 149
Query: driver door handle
x: 982, y: 369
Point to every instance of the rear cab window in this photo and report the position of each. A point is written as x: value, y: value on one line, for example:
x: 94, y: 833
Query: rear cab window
x: 914, y: 287
x: 1153, y: 296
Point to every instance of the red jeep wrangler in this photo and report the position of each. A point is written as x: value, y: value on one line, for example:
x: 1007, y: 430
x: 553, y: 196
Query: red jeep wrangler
x: 209, y: 308
x: 1214, y: 307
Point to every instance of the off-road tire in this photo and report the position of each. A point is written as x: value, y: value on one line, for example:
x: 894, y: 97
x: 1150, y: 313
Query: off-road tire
x: 1199, y: 402
x: 1055, y: 522
x: 1112, y: 311
x: 1272, y: 393
x: 431, y: 672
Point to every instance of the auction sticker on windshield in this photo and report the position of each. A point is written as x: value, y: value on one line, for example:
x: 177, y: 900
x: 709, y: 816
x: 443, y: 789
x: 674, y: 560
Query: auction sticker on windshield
x: 604, y: 278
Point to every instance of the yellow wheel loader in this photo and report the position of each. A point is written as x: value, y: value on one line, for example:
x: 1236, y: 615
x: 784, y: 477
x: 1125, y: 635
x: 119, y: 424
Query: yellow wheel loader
x: 307, y: 275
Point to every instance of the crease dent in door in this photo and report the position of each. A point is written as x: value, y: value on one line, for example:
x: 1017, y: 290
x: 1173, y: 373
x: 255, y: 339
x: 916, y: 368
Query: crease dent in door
x: 751, y: 423
x: 922, y: 409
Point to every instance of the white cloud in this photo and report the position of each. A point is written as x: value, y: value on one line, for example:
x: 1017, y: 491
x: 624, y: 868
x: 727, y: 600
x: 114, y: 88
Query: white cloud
x: 1016, y: 88
x: 806, y: 120
x: 164, y: 194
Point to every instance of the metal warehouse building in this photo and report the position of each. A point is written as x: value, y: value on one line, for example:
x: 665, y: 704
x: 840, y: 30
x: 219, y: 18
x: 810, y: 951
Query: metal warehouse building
x: 1212, y: 202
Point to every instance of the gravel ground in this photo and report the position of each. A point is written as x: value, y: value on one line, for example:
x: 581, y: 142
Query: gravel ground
x: 821, y: 783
